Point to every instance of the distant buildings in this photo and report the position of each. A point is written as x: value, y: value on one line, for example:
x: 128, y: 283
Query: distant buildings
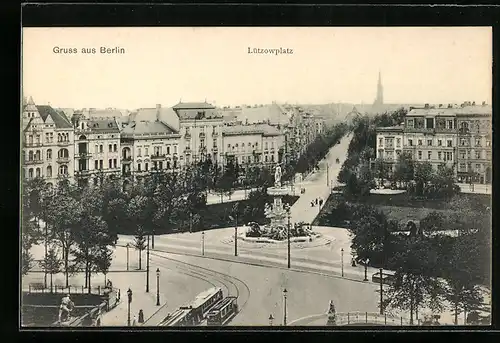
x: 456, y: 136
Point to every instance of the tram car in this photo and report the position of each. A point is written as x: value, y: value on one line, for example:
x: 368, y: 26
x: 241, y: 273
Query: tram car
x: 194, y: 313
x: 223, y: 312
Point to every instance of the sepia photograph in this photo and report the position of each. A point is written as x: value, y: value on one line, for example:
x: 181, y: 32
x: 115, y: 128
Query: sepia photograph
x: 255, y: 176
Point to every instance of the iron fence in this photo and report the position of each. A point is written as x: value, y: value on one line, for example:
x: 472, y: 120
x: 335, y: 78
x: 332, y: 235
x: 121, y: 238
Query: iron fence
x: 370, y: 318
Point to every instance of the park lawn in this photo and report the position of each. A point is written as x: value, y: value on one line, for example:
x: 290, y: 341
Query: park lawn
x: 399, y: 207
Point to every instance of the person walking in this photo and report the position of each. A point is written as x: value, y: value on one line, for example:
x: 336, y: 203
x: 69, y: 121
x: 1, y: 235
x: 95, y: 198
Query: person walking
x: 141, y: 317
x: 320, y: 202
x: 316, y: 201
x: 134, y: 321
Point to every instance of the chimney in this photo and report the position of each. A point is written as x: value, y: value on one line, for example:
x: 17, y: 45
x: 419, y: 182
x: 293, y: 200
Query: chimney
x: 450, y: 106
x: 473, y: 103
x: 484, y: 103
x: 158, y: 109
x: 426, y: 106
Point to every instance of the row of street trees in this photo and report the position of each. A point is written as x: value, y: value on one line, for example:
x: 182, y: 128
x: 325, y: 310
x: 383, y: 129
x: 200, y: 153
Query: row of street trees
x: 431, y: 268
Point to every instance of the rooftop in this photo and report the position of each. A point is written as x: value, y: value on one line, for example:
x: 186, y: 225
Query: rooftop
x: 390, y: 128
x: 272, y: 113
x: 265, y: 129
x: 58, y: 117
x: 193, y: 106
x: 148, y: 128
x: 103, y: 125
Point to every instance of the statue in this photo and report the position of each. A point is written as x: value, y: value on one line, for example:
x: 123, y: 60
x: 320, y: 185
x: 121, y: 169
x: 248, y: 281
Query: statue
x: 277, y: 176
x: 332, y: 316
x: 65, y: 308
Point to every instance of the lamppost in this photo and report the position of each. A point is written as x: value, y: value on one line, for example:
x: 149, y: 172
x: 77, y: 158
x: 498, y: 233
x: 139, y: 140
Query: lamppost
x: 157, y: 286
x: 129, y: 294
x: 271, y: 318
x: 203, y: 243
x: 235, y: 209
x: 342, y: 261
x: 284, y: 307
x: 128, y: 246
x: 147, y: 267
x: 366, y: 269
x: 288, y: 234
x: 382, y: 293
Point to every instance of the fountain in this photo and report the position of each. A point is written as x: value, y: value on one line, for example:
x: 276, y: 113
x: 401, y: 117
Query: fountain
x: 277, y: 213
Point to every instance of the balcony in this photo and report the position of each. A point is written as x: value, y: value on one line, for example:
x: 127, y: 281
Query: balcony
x: 83, y: 155
x: 215, y: 133
x: 32, y: 145
x: 215, y: 148
x: 85, y: 172
x: 62, y: 159
x: 187, y: 150
x: 187, y: 136
x: 158, y: 157
x: 202, y: 134
x: 30, y: 162
x: 63, y: 143
x: 420, y: 130
x: 126, y: 159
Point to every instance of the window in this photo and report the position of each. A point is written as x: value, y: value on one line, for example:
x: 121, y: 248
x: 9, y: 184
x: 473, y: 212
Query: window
x: 488, y: 142
x: 168, y: 164
x: 138, y: 167
x: 146, y: 151
x: 175, y: 162
x: 168, y: 150
x: 478, y: 155
x: 419, y: 142
x: 410, y: 142
x: 462, y: 166
x: 38, y: 173
x: 410, y: 123
x: 115, y: 148
x: 266, y: 146
x: 398, y: 142
x: 175, y: 149
x: 101, y: 148
x: 449, y: 156
x: 478, y: 167
x: 30, y: 173
x: 429, y: 155
x: 478, y: 141
x: 138, y: 151
x: 272, y: 158
x: 440, y: 142
x: 463, y: 142
x: 156, y: 150
x: 96, y: 148
x: 49, y: 154
x: 49, y: 171
x: 146, y: 166
x: 110, y: 163
x: 265, y: 158
x: 462, y: 154
x: 161, y: 165
x: 429, y: 123
x: 214, y: 143
x: 228, y: 147
x: 429, y: 142
x: 439, y: 155
x: 63, y: 170
x: 110, y: 148
x: 100, y: 164
x: 449, y: 143
x: 83, y: 126
x: 96, y: 166
x: 420, y: 155
x: 464, y: 127
x: 30, y: 139
x: 115, y: 163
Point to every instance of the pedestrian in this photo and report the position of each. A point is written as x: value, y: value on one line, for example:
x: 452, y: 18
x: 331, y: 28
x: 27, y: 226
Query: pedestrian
x: 134, y: 321
x: 118, y: 294
x: 141, y: 317
x: 316, y: 201
x: 312, y: 203
x: 320, y: 202
x: 353, y: 262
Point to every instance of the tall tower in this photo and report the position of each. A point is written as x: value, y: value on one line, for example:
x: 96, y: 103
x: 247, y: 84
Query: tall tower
x: 379, y: 100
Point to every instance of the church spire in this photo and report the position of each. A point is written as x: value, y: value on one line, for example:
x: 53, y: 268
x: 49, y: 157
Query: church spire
x: 379, y: 100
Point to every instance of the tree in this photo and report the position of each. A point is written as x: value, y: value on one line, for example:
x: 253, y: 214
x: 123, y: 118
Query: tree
x: 103, y: 260
x: 423, y: 175
x: 52, y: 264
x: 434, y: 221
x: 382, y: 170
x: 404, y: 168
x: 140, y: 243
x: 370, y: 235
x: 415, y: 282
x: 137, y: 212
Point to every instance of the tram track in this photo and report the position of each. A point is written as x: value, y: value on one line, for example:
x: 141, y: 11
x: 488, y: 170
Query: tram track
x: 234, y: 286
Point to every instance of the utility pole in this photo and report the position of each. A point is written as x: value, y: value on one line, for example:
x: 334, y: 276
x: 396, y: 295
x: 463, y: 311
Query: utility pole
x: 147, y: 267
x: 327, y: 177
x: 288, y: 238
x: 381, y: 293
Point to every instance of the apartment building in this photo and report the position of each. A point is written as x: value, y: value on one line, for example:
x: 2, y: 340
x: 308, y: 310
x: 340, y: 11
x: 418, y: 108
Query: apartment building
x: 47, y: 143
x: 456, y: 136
x: 252, y: 144
x: 149, y: 146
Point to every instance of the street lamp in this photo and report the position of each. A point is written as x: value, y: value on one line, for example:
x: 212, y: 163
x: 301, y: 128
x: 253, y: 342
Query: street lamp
x: 366, y: 269
x: 157, y: 286
x: 271, y: 318
x: 129, y: 294
x: 288, y: 234
x: 284, y: 309
x: 342, y: 261
x: 147, y: 267
x: 203, y: 243
x: 128, y: 246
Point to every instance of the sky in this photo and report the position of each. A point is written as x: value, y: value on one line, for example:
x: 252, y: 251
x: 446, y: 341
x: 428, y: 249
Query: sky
x: 328, y: 64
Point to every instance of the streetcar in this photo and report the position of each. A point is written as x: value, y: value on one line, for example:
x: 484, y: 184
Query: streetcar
x: 194, y: 313
x: 223, y: 312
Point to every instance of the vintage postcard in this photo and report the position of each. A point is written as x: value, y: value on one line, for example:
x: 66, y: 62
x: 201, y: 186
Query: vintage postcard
x: 327, y: 176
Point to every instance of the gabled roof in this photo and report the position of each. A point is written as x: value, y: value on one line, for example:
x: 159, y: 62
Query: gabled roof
x: 103, y: 125
x: 272, y: 113
x: 193, y: 106
x: 167, y: 116
x: 59, y: 118
x: 148, y: 127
